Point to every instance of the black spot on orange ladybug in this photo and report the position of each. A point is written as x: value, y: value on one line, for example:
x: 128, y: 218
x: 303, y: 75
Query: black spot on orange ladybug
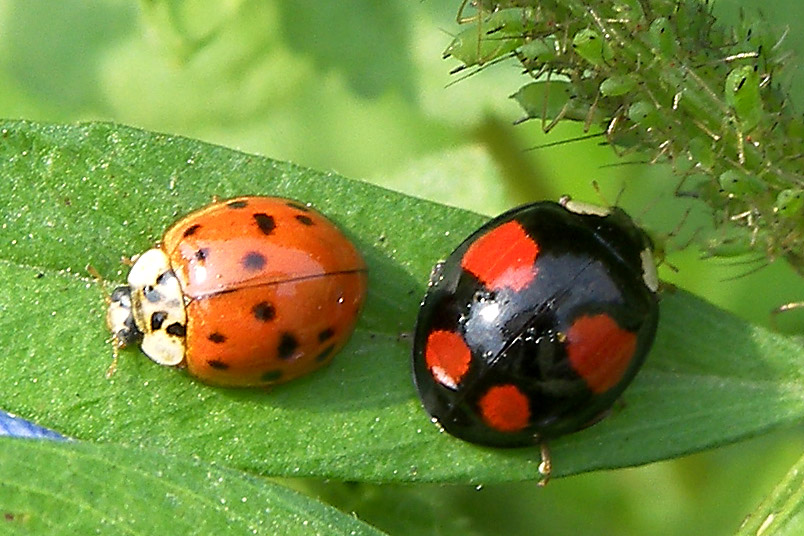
x: 536, y: 323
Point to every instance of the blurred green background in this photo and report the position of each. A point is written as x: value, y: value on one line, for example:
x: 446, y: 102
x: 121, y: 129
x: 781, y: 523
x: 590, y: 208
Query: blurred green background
x: 359, y: 87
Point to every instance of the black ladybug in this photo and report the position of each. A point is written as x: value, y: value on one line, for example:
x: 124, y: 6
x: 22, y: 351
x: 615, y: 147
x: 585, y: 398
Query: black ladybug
x: 536, y: 323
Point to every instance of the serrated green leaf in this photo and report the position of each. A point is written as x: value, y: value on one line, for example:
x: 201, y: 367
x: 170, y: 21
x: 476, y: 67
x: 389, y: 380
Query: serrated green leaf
x: 87, y: 194
x: 55, y: 488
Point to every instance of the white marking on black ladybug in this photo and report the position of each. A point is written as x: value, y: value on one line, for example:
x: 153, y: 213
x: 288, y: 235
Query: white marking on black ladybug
x: 579, y: 207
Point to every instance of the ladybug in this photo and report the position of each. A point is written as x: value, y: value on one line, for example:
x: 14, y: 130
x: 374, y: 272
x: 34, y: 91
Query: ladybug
x: 252, y: 291
x: 535, y: 324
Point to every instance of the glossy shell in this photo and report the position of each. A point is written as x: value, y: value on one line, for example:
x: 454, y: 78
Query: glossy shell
x: 535, y: 324
x: 271, y: 290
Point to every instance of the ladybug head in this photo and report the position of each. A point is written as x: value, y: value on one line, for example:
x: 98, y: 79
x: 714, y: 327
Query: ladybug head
x: 150, y: 310
x: 120, y: 320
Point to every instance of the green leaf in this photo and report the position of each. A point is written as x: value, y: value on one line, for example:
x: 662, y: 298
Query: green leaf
x: 367, y: 42
x: 87, y: 194
x: 54, y: 488
x: 783, y: 511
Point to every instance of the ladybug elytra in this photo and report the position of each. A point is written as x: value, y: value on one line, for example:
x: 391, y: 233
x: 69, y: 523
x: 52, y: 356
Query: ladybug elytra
x: 536, y: 323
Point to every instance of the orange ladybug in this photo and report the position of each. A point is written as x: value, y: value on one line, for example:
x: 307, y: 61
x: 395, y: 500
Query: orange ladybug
x: 252, y: 291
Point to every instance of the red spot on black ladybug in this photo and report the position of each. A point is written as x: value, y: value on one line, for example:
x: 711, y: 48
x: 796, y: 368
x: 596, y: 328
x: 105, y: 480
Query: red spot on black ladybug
x: 157, y: 319
x: 217, y: 364
x: 447, y: 357
x: 217, y: 338
x: 298, y: 206
x: 326, y: 335
x: 287, y: 346
x: 264, y: 312
x: 253, y: 261
x: 503, y: 257
x: 240, y: 203
x: 265, y: 222
x: 271, y: 376
x: 505, y: 408
x: 600, y: 350
x: 201, y: 254
x: 304, y: 220
x: 191, y: 230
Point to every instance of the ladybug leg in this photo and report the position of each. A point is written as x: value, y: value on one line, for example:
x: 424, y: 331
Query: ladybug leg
x: 783, y: 309
x: 603, y: 414
x: 546, y: 465
x: 95, y: 274
x: 788, y: 307
x: 113, y: 365
x: 114, y: 341
x: 667, y: 288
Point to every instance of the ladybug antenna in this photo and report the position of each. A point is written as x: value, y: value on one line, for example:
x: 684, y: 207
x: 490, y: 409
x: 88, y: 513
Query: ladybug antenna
x: 94, y: 273
x: 100, y: 281
x: 603, y: 199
